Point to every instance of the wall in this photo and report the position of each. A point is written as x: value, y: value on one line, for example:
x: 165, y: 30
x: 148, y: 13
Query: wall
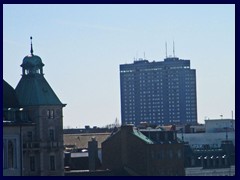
x: 12, y: 133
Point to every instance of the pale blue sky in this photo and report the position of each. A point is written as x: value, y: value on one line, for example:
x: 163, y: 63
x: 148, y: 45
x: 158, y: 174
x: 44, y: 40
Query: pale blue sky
x: 83, y: 45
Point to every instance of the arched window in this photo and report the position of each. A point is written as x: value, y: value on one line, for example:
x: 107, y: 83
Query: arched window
x: 10, y: 154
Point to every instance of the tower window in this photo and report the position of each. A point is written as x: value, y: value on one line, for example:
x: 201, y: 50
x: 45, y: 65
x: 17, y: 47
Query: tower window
x: 10, y: 154
x: 50, y: 113
x: 32, y: 163
x: 30, y: 135
x: 52, y: 163
x: 51, y: 134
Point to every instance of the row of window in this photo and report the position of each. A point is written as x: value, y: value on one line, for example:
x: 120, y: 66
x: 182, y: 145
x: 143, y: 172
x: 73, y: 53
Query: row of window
x: 166, y: 154
x: 52, y: 163
x: 51, y: 135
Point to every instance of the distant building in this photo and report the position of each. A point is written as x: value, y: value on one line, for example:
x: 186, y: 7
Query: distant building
x: 209, y: 152
x: 77, y: 150
x: 160, y: 93
x: 220, y: 125
x: 87, y: 130
x: 131, y: 152
x: 213, y: 132
x: 206, y: 138
x: 208, y: 160
x: 208, y: 156
x: 32, y: 126
x: 83, y: 159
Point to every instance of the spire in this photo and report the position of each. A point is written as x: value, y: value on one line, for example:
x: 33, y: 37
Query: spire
x: 31, y: 51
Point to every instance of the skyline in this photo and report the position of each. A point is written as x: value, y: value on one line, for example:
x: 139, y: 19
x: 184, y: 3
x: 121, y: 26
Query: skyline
x: 91, y: 41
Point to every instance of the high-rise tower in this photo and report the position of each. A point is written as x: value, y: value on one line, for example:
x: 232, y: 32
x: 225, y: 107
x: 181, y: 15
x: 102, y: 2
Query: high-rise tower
x: 159, y: 93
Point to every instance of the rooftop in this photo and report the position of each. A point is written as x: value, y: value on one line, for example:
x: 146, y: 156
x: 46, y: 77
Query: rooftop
x: 35, y: 90
x: 142, y: 136
x: 80, y: 141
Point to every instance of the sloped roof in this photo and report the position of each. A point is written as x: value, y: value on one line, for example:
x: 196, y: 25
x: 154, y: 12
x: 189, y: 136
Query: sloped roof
x: 34, y: 90
x: 81, y: 140
x: 168, y: 128
x: 9, y: 96
x: 142, y: 136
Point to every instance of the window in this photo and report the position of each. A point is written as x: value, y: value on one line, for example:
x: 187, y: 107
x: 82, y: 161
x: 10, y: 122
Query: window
x: 32, y: 163
x: 179, y: 154
x: 52, y: 163
x: 10, y: 154
x: 29, y: 135
x: 51, y: 134
x: 161, y: 154
x: 170, y: 154
x: 50, y: 113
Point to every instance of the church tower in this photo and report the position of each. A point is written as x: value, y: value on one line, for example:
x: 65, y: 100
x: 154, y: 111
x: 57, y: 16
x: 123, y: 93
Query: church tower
x: 42, y: 142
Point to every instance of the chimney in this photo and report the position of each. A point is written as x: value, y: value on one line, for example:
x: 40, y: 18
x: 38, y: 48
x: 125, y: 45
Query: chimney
x: 92, y: 154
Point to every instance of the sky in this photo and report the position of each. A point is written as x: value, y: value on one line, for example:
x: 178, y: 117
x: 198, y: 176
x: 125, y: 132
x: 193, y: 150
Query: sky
x: 82, y: 47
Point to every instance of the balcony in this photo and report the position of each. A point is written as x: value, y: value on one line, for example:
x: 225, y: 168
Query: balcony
x: 31, y: 145
x: 54, y: 145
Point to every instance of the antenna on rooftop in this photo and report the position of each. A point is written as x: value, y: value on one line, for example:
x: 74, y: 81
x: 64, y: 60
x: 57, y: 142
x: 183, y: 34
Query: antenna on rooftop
x: 226, y: 132
x: 144, y: 55
x: 166, y: 48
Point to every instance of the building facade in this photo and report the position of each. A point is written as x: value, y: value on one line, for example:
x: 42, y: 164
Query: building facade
x: 14, y: 122
x: 41, y: 143
x: 161, y: 92
x: 220, y: 125
x: 130, y: 151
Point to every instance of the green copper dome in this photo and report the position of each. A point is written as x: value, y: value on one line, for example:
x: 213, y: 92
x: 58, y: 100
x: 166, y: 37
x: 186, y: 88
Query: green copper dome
x: 32, y: 60
x: 32, y: 64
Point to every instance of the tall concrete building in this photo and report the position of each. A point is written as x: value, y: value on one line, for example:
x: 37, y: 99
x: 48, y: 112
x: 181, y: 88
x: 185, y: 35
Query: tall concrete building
x: 162, y: 92
x: 37, y: 145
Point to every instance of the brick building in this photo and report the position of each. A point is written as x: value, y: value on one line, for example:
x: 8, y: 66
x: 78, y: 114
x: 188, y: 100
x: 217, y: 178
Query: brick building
x: 129, y: 151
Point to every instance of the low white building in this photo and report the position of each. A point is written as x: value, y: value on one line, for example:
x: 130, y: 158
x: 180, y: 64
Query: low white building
x: 207, y: 138
x: 219, y: 125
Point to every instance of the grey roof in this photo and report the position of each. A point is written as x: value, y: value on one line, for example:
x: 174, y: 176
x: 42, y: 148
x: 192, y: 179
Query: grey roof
x: 81, y: 140
x: 34, y: 90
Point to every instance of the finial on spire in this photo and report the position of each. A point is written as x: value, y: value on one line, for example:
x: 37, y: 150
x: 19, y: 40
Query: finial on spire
x: 31, y: 51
